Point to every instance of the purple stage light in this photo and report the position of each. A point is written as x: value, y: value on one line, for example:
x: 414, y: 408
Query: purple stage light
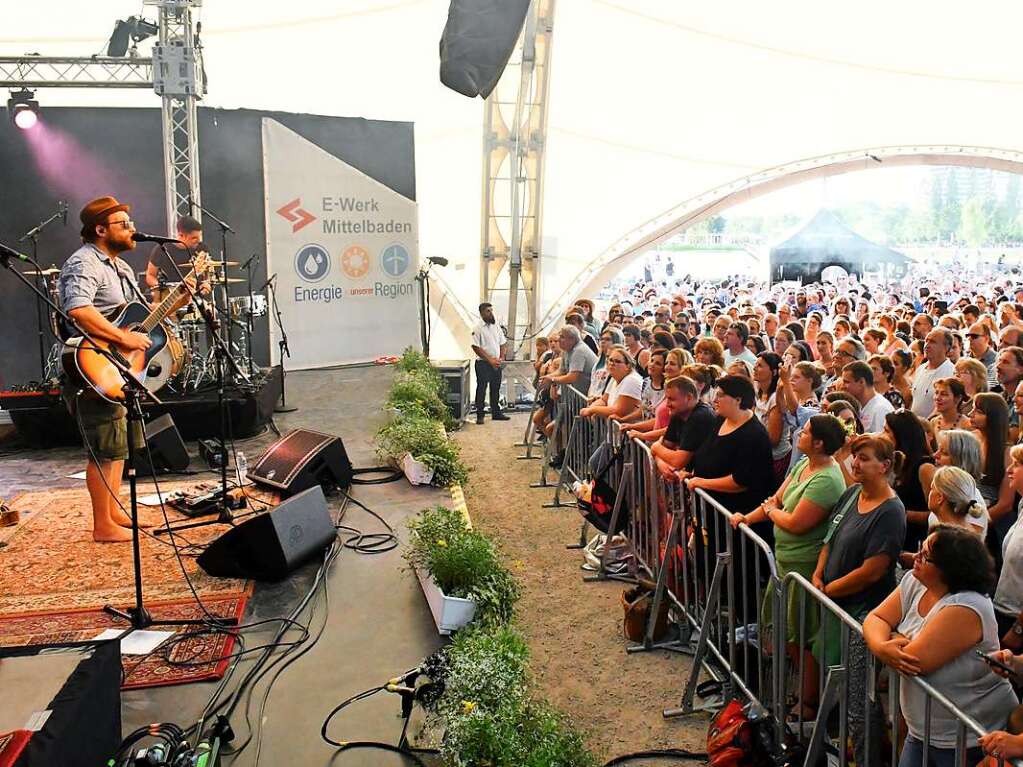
x: 25, y: 118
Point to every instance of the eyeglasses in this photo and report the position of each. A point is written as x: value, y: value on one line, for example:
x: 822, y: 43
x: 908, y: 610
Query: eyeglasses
x: 615, y: 362
x: 128, y: 224
x: 841, y: 353
x: 923, y: 556
x: 974, y: 335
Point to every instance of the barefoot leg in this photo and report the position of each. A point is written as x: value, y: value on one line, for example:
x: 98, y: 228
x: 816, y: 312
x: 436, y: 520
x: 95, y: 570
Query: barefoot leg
x: 104, y: 528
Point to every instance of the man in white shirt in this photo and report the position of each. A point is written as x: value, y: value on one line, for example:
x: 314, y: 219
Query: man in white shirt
x: 489, y: 344
x: 735, y: 344
x: 937, y: 365
x: 858, y: 380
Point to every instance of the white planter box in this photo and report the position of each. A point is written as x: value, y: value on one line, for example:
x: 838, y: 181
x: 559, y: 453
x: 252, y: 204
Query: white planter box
x: 416, y: 472
x: 449, y: 613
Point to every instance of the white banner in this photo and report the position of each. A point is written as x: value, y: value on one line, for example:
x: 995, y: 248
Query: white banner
x: 345, y: 249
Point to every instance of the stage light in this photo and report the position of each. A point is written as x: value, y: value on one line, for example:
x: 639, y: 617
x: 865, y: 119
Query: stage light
x: 23, y: 109
x: 133, y: 28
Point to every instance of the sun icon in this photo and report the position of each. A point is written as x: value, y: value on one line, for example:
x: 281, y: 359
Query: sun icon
x: 355, y: 261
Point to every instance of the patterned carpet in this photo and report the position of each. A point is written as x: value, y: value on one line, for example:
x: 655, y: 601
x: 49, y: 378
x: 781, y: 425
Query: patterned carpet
x: 54, y: 582
x: 50, y: 562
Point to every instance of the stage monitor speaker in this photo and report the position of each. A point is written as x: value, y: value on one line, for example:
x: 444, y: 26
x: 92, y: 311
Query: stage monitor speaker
x: 166, y: 447
x: 477, y: 42
x: 302, y: 459
x: 269, y: 546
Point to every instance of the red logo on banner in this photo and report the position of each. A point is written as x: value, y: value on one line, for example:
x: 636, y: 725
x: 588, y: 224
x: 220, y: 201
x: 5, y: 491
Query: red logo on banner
x: 294, y: 213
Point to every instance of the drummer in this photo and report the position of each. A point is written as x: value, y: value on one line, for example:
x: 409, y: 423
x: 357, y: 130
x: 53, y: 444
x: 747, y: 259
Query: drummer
x: 159, y: 268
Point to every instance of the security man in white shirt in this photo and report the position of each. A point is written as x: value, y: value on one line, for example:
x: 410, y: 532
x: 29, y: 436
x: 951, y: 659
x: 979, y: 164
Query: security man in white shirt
x: 490, y: 344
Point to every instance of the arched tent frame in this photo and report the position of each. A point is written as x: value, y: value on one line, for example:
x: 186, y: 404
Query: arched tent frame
x: 690, y: 212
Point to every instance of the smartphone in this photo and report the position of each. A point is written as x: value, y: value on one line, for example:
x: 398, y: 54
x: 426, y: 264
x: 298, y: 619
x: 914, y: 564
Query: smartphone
x: 995, y: 663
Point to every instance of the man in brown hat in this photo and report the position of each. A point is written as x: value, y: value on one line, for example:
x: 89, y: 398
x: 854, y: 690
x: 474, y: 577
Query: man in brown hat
x: 94, y: 282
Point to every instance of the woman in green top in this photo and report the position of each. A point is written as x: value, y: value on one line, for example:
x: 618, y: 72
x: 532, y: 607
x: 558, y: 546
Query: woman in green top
x: 801, y: 511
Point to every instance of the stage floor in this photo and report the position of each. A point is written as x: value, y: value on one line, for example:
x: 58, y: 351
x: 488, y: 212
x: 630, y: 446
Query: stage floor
x: 378, y: 624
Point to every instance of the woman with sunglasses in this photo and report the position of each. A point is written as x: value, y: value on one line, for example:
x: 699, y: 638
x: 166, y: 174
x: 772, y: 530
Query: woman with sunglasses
x: 598, y: 378
x: 624, y: 388
x: 932, y: 625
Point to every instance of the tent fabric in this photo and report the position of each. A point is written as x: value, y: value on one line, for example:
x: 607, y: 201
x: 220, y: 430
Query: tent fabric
x: 651, y: 103
x: 825, y: 241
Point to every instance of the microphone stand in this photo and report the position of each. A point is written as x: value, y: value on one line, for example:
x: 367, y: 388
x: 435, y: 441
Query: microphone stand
x: 225, y: 515
x: 282, y: 344
x: 423, y: 278
x: 33, y: 235
x: 224, y: 229
x: 137, y: 616
x: 247, y: 266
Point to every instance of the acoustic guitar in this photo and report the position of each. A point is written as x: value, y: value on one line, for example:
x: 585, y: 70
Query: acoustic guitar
x: 85, y: 365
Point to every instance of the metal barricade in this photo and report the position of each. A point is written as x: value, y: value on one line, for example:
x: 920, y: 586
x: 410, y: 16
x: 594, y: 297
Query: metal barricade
x: 570, y: 440
x: 847, y: 688
x: 734, y: 578
x: 529, y: 437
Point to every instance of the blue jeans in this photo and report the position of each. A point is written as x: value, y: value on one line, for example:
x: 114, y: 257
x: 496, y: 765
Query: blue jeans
x: 913, y: 755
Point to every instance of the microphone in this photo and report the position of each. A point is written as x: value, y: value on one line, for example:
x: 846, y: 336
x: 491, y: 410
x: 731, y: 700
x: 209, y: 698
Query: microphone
x: 6, y: 252
x: 266, y: 284
x: 438, y: 260
x: 62, y: 207
x: 143, y: 237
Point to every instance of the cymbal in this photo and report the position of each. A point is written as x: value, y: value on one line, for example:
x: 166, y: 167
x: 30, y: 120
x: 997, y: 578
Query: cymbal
x: 232, y: 280
x: 43, y: 272
x: 216, y: 263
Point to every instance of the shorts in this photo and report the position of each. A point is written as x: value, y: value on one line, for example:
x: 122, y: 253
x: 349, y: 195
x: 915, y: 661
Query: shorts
x: 103, y: 424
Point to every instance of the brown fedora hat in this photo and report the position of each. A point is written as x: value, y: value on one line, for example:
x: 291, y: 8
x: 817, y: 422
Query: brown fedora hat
x: 96, y: 210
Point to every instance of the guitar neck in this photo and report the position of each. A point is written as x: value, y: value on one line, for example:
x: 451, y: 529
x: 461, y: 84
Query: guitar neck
x: 159, y: 314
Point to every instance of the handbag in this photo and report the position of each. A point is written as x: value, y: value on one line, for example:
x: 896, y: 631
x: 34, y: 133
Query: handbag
x: 739, y: 738
x: 636, y: 603
x: 598, y: 510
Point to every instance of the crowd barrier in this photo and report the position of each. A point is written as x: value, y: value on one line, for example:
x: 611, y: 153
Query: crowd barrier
x: 725, y: 597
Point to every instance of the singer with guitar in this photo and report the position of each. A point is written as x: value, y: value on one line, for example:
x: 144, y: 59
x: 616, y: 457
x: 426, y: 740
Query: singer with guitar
x: 95, y: 282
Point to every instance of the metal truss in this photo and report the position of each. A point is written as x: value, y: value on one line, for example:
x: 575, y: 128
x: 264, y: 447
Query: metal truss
x: 65, y: 72
x: 174, y: 72
x: 177, y: 78
x: 514, y: 139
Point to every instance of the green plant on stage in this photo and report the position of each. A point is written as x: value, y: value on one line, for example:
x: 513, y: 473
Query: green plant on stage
x: 447, y: 464
x: 421, y: 436
x: 411, y: 359
x: 463, y: 563
x: 420, y: 393
x: 489, y: 714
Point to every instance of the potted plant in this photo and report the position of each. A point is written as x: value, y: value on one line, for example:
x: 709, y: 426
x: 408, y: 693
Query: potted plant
x: 425, y: 441
x: 459, y: 571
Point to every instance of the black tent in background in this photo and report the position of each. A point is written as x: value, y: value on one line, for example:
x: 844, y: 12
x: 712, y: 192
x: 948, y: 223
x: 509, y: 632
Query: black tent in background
x: 825, y: 241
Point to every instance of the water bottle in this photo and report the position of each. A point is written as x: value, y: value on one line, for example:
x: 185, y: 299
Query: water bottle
x: 242, y: 468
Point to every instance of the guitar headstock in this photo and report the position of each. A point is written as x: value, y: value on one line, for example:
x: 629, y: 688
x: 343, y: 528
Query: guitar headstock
x: 201, y: 264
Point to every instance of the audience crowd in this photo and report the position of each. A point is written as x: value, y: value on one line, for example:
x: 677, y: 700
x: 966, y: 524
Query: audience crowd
x: 869, y: 431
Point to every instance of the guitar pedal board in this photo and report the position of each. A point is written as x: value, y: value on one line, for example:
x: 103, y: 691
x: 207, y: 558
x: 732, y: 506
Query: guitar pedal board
x: 205, y: 499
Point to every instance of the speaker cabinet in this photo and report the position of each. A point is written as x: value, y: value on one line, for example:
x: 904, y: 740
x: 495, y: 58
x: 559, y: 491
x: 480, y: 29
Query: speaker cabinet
x: 456, y: 377
x: 269, y: 546
x: 302, y: 459
x: 165, y: 446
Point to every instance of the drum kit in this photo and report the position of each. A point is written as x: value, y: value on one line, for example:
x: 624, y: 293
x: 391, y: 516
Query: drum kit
x: 188, y: 361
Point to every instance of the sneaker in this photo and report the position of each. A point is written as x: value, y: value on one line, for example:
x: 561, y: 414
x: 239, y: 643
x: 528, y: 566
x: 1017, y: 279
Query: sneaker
x: 557, y: 460
x: 500, y: 417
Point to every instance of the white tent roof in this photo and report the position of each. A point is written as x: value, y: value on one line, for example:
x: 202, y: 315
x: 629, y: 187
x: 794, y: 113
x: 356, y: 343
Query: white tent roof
x: 652, y: 103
